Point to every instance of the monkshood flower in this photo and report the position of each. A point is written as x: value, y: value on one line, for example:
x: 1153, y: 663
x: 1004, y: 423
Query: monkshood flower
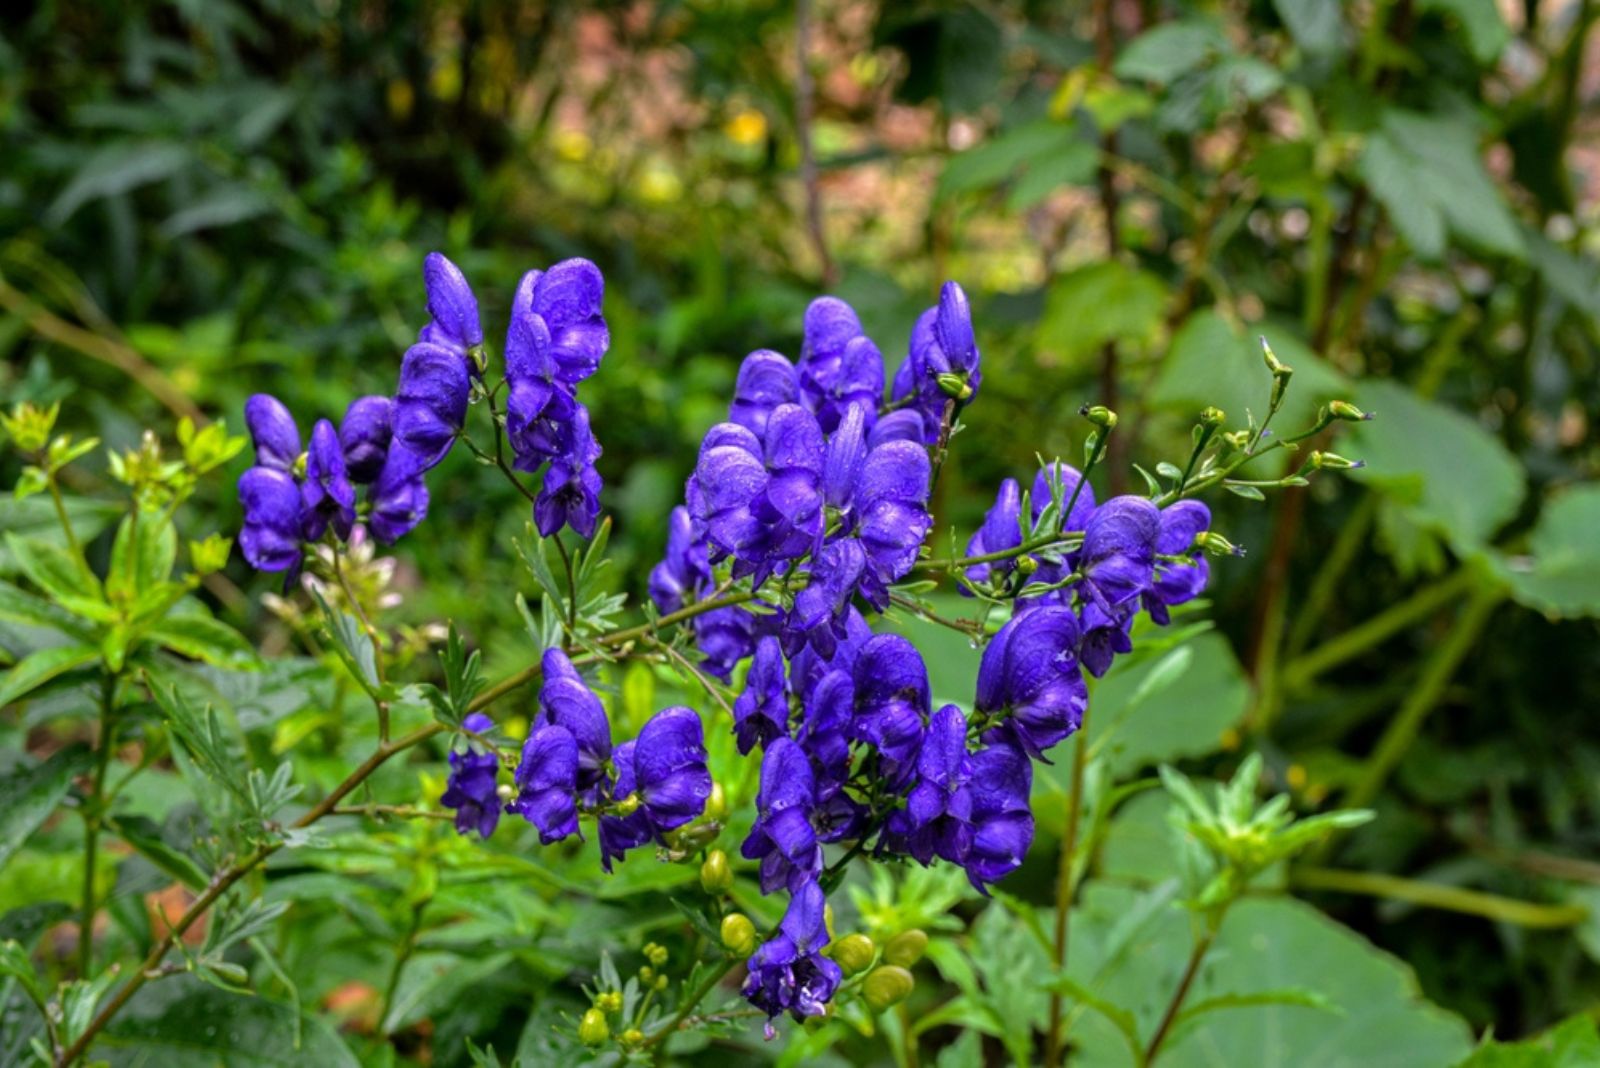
x: 761, y: 712
x: 455, y: 324
x: 547, y: 783
x: 556, y: 338
x: 937, y: 819
x: 782, y: 837
x: 570, y: 495
x: 766, y: 380
x: 272, y: 430
x: 852, y: 380
x: 1001, y: 817
x: 1177, y: 584
x: 1029, y: 675
x: 761, y: 502
x: 891, y: 504
x: 471, y: 787
x: 431, y: 403
x: 399, y: 497
x: 807, y: 667
x: 789, y: 973
x: 566, y: 702
x: 664, y: 770
x: 683, y: 569
x: 364, y: 436
x: 326, y: 496
x: 891, y: 702
x: 270, y: 538
x: 820, y: 616
x: 1001, y: 530
x: 942, y: 344
x: 1103, y: 636
x: 1118, y: 555
x: 726, y: 636
x: 902, y: 424
x: 825, y: 736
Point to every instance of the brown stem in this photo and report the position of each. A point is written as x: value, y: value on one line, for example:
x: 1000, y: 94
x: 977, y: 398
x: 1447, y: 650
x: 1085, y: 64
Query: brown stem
x: 1168, y: 1018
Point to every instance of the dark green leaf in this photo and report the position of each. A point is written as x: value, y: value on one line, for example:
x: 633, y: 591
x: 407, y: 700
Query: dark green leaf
x: 32, y: 793
x: 37, y: 669
x: 184, y: 1023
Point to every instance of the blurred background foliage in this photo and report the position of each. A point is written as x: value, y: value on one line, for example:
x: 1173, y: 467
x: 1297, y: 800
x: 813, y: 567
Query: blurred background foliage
x: 202, y: 200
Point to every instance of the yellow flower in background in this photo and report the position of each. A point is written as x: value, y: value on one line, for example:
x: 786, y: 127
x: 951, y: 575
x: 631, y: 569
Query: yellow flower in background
x: 747, y: 127
x: 659, y: 184
x: 573, y: 146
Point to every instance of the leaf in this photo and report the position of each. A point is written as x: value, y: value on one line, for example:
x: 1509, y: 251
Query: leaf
x: 1105, y: 301
x: 1168, y: 51
x: 223, y: 205
x: 1123, y: 1020
x: 1562, y: 576
x: 1487, y: 32
x: 144, y: 835
x: 1573, y: 1043
x: 32, y: 794
x: 19, y: 606
x: 115, y: 169
x: 203, y: 638
x: 185, y: 1023
x: 1317, y: 26
x: 27, y: 923
x: 1449, y: 473
x: 991, y: 162
x: 56, y: 571
x: 36, y: 518
x: 142, y: 555
x: 352, y: 643
x: 37, y: 669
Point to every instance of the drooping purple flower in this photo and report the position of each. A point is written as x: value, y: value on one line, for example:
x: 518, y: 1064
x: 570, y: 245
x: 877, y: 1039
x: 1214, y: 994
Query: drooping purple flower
x: 1177, y: 584
x: 1002, y: 818
x: 455, y: 324
x: 892, y: 504
x: 570, y: 495
x: 807, y: 667
x: 1103, y: 637
x: 270, y: 538
x: 471, y: 789
x: 566, y: 701
x: 841, y: 467
x: 820, y: 615
x: 568, y: 298
x: 272, y: 428
x: 683, y: 568
x: 761, y: 712
x: 669, y: 767
x: 1118, y: 554
x: 766, y: 380
x: 364, y: 436
x: 825, y: 730
x: 891, y: 702
x: 942, y: 343
x: 1001, y: 530
x: 782, y: 837
x: 761, y: 502
x: 854, y: 381
x: 537, y: 403
x: 547, y: 783
x: 789, y: 973
x: 1030, y: 675
x: 937, y: 819
x: 326, y: 496
x: 619, y: 834
x: 431, y: 404
x: 725, y: 636
x: 399, y: 497
x: 1068, y: 478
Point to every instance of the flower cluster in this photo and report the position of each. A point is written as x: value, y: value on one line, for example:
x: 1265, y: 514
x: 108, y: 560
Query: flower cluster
x: 556, y: 338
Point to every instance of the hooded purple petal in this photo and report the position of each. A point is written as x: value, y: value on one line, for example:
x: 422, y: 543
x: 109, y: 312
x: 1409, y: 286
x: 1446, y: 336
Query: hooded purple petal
x: 364, y: 436
x: 547, y: 781
x: 272, y: 428
x: 451, y: 303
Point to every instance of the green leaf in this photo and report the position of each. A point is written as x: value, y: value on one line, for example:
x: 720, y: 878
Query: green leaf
x: 185, y: 1023
x: 19, y: 606
x: 116, y: 169
x: 1562, y: 576
x: 1449, y: 473
x: 1574, y: 1043
x: 352, y: 643
x: 1105, y: 301
x: 1317, y: 26
x: 993, y: 161
x: 32, y: 794
x: 56, y: 571
x: 1487, y: 32
x: 1170, y: 50
x: 27, y: 923
x: 36, y: 519
x: 203, y: 638
x: 145, y: 548
x: 37, y: 669
x: 144, y: 835
x: 1123, y: 1020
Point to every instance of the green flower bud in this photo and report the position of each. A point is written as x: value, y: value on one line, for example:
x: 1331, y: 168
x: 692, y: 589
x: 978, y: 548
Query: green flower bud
x: 715, y: 874
x: 661, y: 983
x: 29, y: 425
x: 609, y: 1002
x: 955, y: 386
x: 1212, y: 417
x: 1278, y: 368
x: 627, y: 806
x: 1099, y: 415
x: 739, y: 934
x: 1348, y: 412
x: 1026, y: 565
x: 716, y: 804
x: 853, y: 953
x: 1215, y: 544
x: 1327, y: 461
x: 647, y: 974
x: 632, y: 1036
x: 593, y: 1029
x: 655, y: 954
x: 906, y: 948
x: 888, y: 985
x: 209, y: 555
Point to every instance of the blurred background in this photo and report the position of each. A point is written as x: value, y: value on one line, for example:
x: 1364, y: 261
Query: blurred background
x: 202, y: 200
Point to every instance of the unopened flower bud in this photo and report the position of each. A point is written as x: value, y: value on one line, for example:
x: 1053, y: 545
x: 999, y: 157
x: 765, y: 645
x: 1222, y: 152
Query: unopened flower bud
x: 955, y: 386
x: 593, y: 1029
x: 1212, y: 417
x: 887, y: 986
x: 210, y: 554
x: 647, y: 974
x: 29, y: 425
x: 1327, y: 461
x: 1348, y: 412
x: 656, y: 954
x: 505, y: 791
x: 738, y: 934
x: 632, y: 1036
x: 715, y: 874
x: 1215, y: 544
x: 627, y: 806
x: 1026, y: 565
x: 1099, y: 415
x: 610, y: 1001
x: 853, y: 953
x: 661, y: 983
x: 906, y: 948
x: 716, y: 804
x: 1278, y: 368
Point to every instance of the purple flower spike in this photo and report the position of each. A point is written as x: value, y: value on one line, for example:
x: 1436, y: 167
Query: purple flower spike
x: 1030, y: 673
x: 891, y: 687
x: 399, y: 497
x: 1177, y: 584
x: 326, y: 496
x: 1002, y: 819
x: 454, y: 309
x: 270, y: 539
x: 568, y: 298
x: 431, y: 404
x: 766, y: 380
x: 547, y: 783
x: 1118, y: 554
x: 761, y: 712
x: 782, y: 837
x: 789, y: 973
x: 272, y: 428
x: 683, y: 568
x: 364, y: 436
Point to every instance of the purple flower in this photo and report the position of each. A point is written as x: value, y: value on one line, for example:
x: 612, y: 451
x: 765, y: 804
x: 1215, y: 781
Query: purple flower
x: 665, y: 767
x: 567, y: 298
x: 326, y: 496
x: 725, y: 637
x: 820, y: 615
x: 1001, y: 530
x: 782, y: 837
x: 761, y: 501
x: 942, y: 343
x: 1002, y: 820
x: 761, y: 712
x: 807, y: 667
x: 1178, y: 583
x: 902, y: 424
x: 683, y: 568
x: 455, y: 324
x: 538, y: 403
x: 272, y: 428
x: 471, y: 789
x: 547, y: 783
x: 566, y: 701
x: 891, y: 702
x: 399, y: 497
x: 937, y: 819
x: 853, y: 381
x: 571, y: 492
x: 364, y: 436
x: 766, y: 380
x: 1118, y: 554
x: 1103, y: 636
x: 1030, y: 675
x: 891, y: 503
x: 431, y: 404
x: 824, y: 730
x: 619, y: 834
x: 789, y: 972
x: 841, y: 466
x: 1068, y: 477
x: 270, y: 538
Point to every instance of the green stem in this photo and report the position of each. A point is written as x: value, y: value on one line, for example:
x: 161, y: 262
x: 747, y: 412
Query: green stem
x: 1197, y: 957
x: 1438, y: 896
x: 92, y: 818
x: 1351, y: 539
x: 572, y: 584
x: 407, y: 948
x: 1065, y: 885
x: 61, y: 515
x: 694, y: 998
